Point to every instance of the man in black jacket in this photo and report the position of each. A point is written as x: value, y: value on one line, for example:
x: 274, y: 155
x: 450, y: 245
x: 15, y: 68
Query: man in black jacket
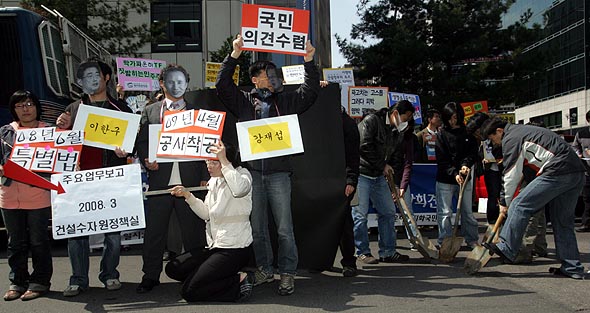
x: 582, y: 147
x: 173, y: 80
x: 271, y: 181
x: 377, y: 142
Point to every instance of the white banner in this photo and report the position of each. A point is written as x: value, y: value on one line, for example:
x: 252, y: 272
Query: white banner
x: 269, y: 137
x: 293, y: 74
x: 107, y: 129
x: 97, y: 201
x: 362, y: 98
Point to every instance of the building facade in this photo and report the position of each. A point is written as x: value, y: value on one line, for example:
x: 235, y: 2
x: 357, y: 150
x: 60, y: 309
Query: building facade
x: 555, y: 91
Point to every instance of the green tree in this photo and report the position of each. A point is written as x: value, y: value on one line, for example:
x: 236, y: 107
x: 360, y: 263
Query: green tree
x: 244, y: 60
x: 110, y: 21
x: 443, y: 50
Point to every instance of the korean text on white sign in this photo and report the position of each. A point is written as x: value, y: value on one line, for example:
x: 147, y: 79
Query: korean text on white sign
x: 274, y: 29
x: 97, y: 201
x: 47, y: 150
x: 269, y: 137
x: 190, y: 134
x: 360, y: 99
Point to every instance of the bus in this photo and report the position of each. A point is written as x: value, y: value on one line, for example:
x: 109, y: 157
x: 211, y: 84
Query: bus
x: 42, y: 55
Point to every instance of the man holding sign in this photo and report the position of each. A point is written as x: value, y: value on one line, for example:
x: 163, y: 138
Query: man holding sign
x: 161, y: 176
x: 94, y: 76
x: 271, y: 182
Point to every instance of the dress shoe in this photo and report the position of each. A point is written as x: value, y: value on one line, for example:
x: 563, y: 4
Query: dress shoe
x: 146, y: 285
x: 12, y: 295
x: 31, y: 294
x: 583, y: 229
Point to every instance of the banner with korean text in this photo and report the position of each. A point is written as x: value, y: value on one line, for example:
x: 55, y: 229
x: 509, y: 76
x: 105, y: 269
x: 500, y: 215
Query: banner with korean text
x: 97, y: 201
x: 190, y: 134
x: 293, y: 74
x: 211, y: 71
x: 107, y: 129
x: 394, y: 97
x: 139, y: 74
x: 342, y: 76
x: 360, y: 99
x: 154, y: 132
x: 47, y: 150
x: 274, y: 29
x: 269, y: 137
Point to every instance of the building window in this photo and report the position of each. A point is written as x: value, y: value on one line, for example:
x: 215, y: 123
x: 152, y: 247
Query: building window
x: 551, y: 120
x: 177, y: 25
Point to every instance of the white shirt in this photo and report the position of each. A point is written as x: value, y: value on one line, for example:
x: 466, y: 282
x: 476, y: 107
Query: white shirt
x: 227, y: 208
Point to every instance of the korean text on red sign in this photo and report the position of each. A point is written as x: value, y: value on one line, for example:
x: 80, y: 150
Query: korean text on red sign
x: 274, y: 29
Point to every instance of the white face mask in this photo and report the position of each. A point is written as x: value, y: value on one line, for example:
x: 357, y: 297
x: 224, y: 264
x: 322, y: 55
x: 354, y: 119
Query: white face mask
x: 401, y: 126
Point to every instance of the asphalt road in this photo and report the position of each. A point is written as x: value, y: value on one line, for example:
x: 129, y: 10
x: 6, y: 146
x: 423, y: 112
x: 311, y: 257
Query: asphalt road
x: 415, y: 286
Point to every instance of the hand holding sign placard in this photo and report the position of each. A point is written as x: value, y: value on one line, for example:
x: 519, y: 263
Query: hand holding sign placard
x: 107, y: 129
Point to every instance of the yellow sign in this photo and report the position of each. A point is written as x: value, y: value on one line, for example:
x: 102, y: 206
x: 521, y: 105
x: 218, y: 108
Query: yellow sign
x: 508, y: 117
x: 211, y: 71
x: 270, y: 137
x: 105, y: 129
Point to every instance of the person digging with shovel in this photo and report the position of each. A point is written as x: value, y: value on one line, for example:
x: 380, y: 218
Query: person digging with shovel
x: 559, y: 180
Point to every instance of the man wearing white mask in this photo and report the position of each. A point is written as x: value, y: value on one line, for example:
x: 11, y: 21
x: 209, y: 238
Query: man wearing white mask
x: 162, y: 176
x: 376, y: 147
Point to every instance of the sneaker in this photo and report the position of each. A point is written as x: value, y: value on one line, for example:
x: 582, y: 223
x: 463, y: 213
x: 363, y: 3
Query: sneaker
x: 349, y: 271
x: 72, y: 291
x: 397, y: 257
x: 493, y: 249
x: 412, y: 247
x: 113, y: 284
x: 262, y: 277
x: 367, y: 259
x: 287, y: 285
x: 246, y: 288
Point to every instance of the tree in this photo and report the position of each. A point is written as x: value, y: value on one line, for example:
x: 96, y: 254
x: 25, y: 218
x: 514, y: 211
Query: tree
x: 109, y: 25
x: 243, y: 60
x: 443, y: 50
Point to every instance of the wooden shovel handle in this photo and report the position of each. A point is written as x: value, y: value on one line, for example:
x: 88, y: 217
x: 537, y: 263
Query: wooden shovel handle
x: 499, y: 222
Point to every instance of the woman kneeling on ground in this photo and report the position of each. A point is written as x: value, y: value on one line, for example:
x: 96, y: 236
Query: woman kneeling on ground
x: 212, y: 274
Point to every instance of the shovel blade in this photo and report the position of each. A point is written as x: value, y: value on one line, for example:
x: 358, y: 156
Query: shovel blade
x: 449, y: 249
x: 477, y: 259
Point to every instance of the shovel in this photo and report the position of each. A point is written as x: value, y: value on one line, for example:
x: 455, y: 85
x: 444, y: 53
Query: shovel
x: 424, y: 246
x: 451, y: 245
x: 480, y: 255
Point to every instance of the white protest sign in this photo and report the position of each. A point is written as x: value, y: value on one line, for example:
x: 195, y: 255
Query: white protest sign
x: 97, y: 201
x: 360, y: 99
x: 154, y: 137
x: 293, y: 74
x: 343, y: 76
x: 269, y: 137
x: 107, y: 129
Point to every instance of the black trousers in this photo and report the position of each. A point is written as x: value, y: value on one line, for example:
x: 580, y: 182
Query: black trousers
x: 493, y: 180
x: 209, y: 275
x: 347, y: 247
x: 158, y: 212
x: 586, y: 195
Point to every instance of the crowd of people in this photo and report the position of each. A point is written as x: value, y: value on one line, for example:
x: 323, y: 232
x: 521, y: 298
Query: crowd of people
x: 527, y: 170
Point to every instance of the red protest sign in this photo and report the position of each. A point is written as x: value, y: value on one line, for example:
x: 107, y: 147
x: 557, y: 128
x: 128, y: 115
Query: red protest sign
x: 274, y: 29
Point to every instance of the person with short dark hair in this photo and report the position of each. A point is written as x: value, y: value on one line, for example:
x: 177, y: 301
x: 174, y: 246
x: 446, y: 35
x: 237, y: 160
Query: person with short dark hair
x: 174, y: 83
x: 557, y: 185
x: 26, y: 209
x: 427, y: 137
x: 271, y: 181
x: 377, y: 144
x: 456, y: 153
x: 582, y: 147
x: 95, y: 77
